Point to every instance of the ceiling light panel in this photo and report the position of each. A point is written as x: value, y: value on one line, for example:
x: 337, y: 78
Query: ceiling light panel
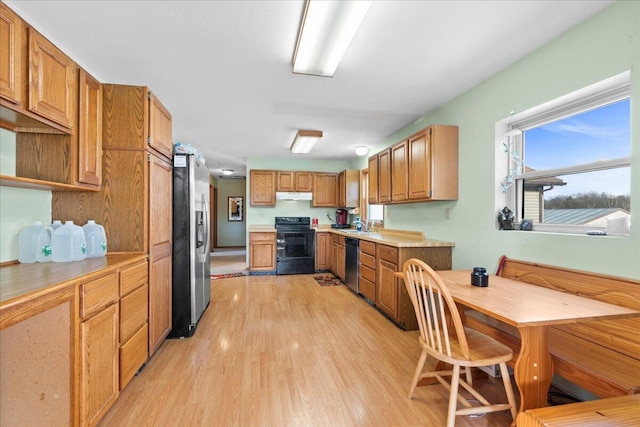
x: 305, y: 140
x: 326, y: 31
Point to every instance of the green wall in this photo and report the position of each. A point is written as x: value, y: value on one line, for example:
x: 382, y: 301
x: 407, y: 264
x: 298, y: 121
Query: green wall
x: 230, y: 233
x: 19, y: 208
x: 603, y: 46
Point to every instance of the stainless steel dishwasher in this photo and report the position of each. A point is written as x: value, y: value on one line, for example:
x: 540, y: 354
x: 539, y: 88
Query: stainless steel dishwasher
x: 351, y: 264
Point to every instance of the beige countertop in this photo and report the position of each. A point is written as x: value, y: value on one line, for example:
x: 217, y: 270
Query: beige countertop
x: 20, y: 282
x: 397, y: 238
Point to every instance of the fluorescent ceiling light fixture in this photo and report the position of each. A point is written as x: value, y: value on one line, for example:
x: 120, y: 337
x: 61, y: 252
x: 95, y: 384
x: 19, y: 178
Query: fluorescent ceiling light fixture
x: 362, y: 150
x: 227, y: 171
x: 327, y: 28
x: 305, y: 140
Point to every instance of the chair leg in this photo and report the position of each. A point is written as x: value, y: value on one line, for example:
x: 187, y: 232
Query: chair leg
x: 467, y: 371
x: 416, y: 376
x: 453, y: 396
x: 508, y: 389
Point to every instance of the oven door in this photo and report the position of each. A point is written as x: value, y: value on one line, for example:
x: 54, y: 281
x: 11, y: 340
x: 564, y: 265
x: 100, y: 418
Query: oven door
x: 295, y: 252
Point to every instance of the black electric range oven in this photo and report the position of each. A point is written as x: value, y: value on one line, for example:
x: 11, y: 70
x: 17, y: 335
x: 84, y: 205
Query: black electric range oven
x: 295, y: 245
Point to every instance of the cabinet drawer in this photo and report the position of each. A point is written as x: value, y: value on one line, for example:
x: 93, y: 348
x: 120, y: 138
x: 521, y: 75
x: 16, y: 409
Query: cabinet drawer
x: 133, y: 354
x: 134, y: 309
x: 132, y: 278
x: 367, y: 289
x: 388, y: 253
x: 334, y: 238
x: 368, y: 260
x: 262, y: 237
x: 368, y: 247
x: 98, y: 293
x: 367, y: 273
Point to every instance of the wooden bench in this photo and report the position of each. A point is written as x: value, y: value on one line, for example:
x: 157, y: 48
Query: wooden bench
x: 602, y: 357
x: 621, y: 411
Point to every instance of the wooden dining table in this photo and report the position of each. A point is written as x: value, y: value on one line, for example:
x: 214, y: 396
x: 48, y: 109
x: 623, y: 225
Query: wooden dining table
x: 532, y: 310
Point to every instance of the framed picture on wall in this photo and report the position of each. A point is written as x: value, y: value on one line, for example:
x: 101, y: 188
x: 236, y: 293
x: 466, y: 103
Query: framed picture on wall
x: 235, y: 208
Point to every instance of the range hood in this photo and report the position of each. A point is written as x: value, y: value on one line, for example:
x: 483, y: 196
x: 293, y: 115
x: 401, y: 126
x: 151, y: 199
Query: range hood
x: 285, y: 195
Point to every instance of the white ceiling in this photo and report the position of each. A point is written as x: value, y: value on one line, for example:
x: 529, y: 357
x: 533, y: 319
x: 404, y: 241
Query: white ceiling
x: 223, y: 68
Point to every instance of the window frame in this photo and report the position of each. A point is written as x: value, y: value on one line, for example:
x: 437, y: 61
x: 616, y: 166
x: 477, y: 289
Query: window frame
x: 511, y: 130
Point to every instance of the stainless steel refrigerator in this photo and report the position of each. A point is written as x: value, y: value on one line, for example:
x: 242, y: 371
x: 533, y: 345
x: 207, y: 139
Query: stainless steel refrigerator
x: 191, y: 269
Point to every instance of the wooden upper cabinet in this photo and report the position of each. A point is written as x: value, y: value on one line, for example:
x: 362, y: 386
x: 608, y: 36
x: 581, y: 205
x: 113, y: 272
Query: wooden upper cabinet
x: 384, y: 176
x: 12, y: 55
x: 325, y: 189
x: 262, y: 187
x: 89, y: 130
x: 294, y: 181
x: 373, y: 179
x: 285, y: 181
x: 303, y: 181
x: 52, y: 81
x: 349, y: 188
x: 399, y: 172
x: 433, y: 164
x: 160, y: 133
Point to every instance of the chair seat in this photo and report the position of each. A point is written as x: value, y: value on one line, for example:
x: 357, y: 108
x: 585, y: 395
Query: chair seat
x: 483, y: 350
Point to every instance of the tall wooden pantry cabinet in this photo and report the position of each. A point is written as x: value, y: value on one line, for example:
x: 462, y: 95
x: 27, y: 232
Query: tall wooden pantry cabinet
x: 135, y: 202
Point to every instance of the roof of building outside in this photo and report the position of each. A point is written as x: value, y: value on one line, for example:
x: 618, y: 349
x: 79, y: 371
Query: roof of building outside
x: 577, y: 216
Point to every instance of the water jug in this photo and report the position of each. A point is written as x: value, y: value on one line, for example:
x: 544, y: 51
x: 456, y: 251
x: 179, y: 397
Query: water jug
x: 96, y: 239
x: 34, y: 243
x: 56, y: 224
x: 68, y: 243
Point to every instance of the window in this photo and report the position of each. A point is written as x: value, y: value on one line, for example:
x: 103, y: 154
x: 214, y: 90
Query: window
x: 371, y: 212
x: 568, y: 162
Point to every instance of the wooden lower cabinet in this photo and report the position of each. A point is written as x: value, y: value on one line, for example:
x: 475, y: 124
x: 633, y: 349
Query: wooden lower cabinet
x: 262, y: 251
x: 391, y: 294
x: 134, y: 321
x: 367, y: 270
x: 99, y: 332
x: 341, y: 258
x: 388, y: 287
x: 323, y: 251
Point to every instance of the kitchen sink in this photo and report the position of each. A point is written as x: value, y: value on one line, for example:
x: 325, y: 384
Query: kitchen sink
x: 354, y: 232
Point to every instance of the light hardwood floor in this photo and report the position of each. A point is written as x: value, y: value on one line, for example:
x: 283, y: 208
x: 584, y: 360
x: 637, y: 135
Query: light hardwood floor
x: 284, y: 351
x: 228, y: 260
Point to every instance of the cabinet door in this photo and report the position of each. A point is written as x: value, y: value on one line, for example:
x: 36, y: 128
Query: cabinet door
x: 419, y: 167
x: 159, y: 302
x: 11, y: 55
x: 89, y: 130
x: 262, y: 251
x: 262, y: 187
x: 303, y: 181
x: 52, y: 77
x: 160, y: 249
x: 341, y: 259
x: 342, y: 189
x: 399, y: 172
x: 285, y: 181
x: 373, y: 180
x: 387, y: 288
x: 325, y: 189
x: 384, y: 176
x: 333, y: 260
x: 323, y: 251
x: 99, y: 364
x: 160, y: 131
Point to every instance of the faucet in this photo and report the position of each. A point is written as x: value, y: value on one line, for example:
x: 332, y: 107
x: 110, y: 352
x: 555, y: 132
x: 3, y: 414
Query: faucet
x: 365, y: 223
